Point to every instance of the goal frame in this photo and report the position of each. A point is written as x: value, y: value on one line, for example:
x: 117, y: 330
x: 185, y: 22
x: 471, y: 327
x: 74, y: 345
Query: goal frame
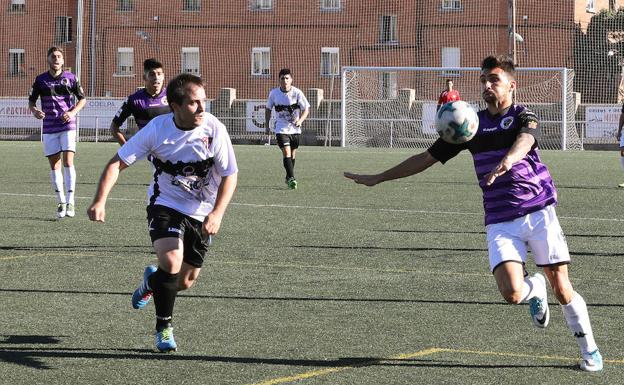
x: 343, y: 94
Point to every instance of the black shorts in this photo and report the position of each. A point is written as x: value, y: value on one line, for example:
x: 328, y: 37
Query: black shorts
x: 165, y: 222
x: 284, y: 140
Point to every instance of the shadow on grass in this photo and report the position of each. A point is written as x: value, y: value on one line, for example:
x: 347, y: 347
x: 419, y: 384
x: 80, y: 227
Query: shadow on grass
x: 34, y: 357
x: 292, y: 299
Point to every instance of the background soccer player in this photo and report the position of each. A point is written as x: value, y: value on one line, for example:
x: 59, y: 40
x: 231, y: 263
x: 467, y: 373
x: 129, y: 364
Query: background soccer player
x: 58, y: 111
x: 448, y: 95
x: 519, y: 199
x: 193, y: 182
x: 146, y: 103
x: 292, y: 108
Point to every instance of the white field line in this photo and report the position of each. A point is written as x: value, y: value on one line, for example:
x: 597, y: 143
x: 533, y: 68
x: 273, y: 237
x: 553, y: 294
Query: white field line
x: 329, y: 208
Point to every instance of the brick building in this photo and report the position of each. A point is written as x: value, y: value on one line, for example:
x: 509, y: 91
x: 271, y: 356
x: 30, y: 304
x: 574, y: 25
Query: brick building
x: 242, y: 44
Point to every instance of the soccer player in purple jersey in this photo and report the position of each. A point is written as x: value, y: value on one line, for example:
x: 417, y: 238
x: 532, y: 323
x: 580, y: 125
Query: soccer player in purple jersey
x: 146, y: 103
x: 519, y: 200
x: 58, y: 111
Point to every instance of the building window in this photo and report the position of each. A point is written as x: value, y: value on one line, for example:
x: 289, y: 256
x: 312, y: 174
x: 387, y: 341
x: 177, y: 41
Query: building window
x: 125, y: 5
x: 591, y: 6
x: 330, y: 61
x: 63, y: 26
x: 190, y: 60
x: 191, y: 5
x: 261, y: 61
x: 16, y: 62
x: 330, y: 5
x: 17, y: 6
x: 451, y: 58
x: 125, y: 61
x: 388, y: 85
x: 388, y: 29
x: 451, y: 4
x: 261, y: 4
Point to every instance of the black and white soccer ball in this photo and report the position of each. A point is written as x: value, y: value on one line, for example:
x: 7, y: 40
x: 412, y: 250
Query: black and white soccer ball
x: 456, y: 122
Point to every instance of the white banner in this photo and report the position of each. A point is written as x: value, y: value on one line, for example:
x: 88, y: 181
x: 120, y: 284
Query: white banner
x: 602, y: 121
x: 255, y: 116
x: 428, y: 118
x: 14, y: 113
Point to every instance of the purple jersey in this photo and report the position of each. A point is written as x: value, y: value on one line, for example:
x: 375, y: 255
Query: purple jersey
x: 56, y: 99
x: 524, y: 189
x: 143, y: 106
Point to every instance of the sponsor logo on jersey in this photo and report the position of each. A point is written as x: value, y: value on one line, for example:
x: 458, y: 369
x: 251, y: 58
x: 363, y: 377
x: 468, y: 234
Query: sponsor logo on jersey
x: 506, y: 122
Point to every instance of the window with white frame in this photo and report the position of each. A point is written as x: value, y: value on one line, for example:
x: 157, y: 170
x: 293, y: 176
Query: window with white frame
x: 451, y: 4
x: 261, y: 61
x: 261, y: 4
x: 17, y: 6
x: 330, y: 61
x: 125, y: 61
x: 190, y: 60
x: 125, y: 5
x: 388, y: 29
x: 16, y: 62
x: 451, y: 58
x: 191, y: 5
x: 591, y: 6
x: 388, y: 85
x: 63, y: 29
x: 330, y: 5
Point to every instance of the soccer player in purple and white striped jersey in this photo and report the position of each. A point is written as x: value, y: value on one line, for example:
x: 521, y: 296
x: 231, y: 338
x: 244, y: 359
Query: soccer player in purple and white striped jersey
x: 146, y: 103
x: 57, y: 89
x: 519, y: 200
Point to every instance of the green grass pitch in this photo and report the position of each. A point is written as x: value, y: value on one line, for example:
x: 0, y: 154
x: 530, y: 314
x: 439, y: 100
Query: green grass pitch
x: 334, y: 283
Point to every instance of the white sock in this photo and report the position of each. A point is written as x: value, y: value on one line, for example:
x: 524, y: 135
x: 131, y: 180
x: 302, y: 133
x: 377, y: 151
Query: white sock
x: 622, y: 161
x: 56, y: 176
x: 70, y: 183
x: 577, y: 318
x: 532, y: 287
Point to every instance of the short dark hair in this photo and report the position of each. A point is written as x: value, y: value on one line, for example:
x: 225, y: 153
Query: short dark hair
x: 504, y: 62
x: 151, y: 64
x: 176, y: 89
x: 284, y: 71
x: 54, y: 49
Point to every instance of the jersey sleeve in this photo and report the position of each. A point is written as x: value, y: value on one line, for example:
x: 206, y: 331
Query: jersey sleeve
x: 123, y: 113
x: 34, y: 93
x: 224, y: 158
x: 303, y: 101
x: 529, y: 123
x: 139, y: 145
x: 443, y: 151
x: 78, y: 91
x: 269, y: 103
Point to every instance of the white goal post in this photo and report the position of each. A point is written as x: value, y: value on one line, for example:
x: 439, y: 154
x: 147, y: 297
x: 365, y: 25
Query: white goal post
x: 394, y: 107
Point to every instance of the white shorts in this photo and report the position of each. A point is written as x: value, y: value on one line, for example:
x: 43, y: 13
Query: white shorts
x: 539, y: 231
x: 59, y: 142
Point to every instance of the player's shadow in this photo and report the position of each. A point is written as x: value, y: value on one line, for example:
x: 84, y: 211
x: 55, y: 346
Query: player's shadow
x: 290, y: 299
x: 34, y: 357
x: 147, y: 248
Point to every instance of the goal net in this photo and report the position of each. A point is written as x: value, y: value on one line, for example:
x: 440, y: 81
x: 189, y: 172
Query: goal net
x: 394, y: 107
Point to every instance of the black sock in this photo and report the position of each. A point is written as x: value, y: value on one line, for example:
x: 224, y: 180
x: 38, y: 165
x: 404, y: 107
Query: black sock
x: 165, y: 288
x: 288, y: 165
x: 293, y: 161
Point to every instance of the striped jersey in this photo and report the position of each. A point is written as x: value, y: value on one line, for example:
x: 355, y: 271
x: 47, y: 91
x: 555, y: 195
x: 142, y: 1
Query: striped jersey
x: 143, y: 106
x: 527, y: 187
x: 56, y: 99
x: 288, y: 108
x: 188, y: 164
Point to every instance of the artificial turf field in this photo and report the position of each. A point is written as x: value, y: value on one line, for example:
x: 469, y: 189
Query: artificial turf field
x: 334, y: 283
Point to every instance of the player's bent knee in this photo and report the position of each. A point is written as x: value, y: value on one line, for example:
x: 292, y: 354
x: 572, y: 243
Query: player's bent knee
x: 513, y: 297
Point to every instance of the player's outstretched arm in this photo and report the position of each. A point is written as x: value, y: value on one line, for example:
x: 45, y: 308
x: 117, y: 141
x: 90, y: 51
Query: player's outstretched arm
x: 116, y: 132
x: 96, y: 211
x: 410, y: 166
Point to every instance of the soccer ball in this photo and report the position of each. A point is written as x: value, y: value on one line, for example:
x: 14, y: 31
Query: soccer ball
x: 456, y: 122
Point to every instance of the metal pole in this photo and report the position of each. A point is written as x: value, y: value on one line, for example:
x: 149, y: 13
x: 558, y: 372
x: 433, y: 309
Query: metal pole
x: 564, y: 110
x: 79, y: 25
x: 92, y: 64
x: 343, y: 109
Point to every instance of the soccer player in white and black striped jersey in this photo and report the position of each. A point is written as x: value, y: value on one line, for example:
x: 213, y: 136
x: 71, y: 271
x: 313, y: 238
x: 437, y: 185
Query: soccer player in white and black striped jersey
x: 519, y: 199
x: 194, y: 178
x: 292, y: 109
